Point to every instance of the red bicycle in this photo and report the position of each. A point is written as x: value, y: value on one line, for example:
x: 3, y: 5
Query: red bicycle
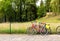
x: 40, y: 28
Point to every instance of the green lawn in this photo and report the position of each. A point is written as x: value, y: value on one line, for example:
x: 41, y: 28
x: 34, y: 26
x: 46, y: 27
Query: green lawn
x: 54, y: 19
x: 21, y: 27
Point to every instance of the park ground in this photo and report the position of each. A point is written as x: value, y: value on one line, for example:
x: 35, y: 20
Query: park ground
x: 19, y: 37
x: 18, y: 28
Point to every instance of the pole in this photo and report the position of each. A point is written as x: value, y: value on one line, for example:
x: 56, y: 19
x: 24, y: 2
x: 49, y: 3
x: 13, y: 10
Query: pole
x: 10, y: 24
x: 10, y: 27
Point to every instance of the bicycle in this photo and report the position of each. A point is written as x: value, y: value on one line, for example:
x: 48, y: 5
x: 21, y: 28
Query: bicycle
x: 58, y: 29
x: 42, y: 29
x: 46, y: 29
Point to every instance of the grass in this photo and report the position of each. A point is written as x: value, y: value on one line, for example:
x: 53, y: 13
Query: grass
x: 20, y: 28
x: 54, y: 19
x: 18, y: 31
x: 5, y: 31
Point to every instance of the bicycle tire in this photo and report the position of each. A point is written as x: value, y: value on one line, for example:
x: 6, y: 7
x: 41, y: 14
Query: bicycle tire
x: 30, y: 30
x: 45, y: 32
x: 58, y: 29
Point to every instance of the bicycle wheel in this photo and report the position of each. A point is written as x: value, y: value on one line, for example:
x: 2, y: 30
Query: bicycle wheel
x: 58, y: 30
x: 44, y: 31
x: 30, y: 30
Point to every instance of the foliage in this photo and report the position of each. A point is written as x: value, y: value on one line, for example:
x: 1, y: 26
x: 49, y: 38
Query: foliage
x: 41, y: 10
x: 26, y: 10
x: 18, y: 11
x: 47, y: 5
x: 55, y: 4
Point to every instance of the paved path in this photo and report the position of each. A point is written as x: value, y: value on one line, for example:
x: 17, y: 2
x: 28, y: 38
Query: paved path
x: 4, y: 37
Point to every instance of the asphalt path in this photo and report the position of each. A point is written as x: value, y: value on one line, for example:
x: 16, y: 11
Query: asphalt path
x: 20, y: 37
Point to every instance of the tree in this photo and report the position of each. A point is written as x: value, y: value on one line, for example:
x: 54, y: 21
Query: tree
x: 41, y: 10
x: 30, y: 10
x: 19, y: 11
x: 47, y: 5
x: 55, y: 6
